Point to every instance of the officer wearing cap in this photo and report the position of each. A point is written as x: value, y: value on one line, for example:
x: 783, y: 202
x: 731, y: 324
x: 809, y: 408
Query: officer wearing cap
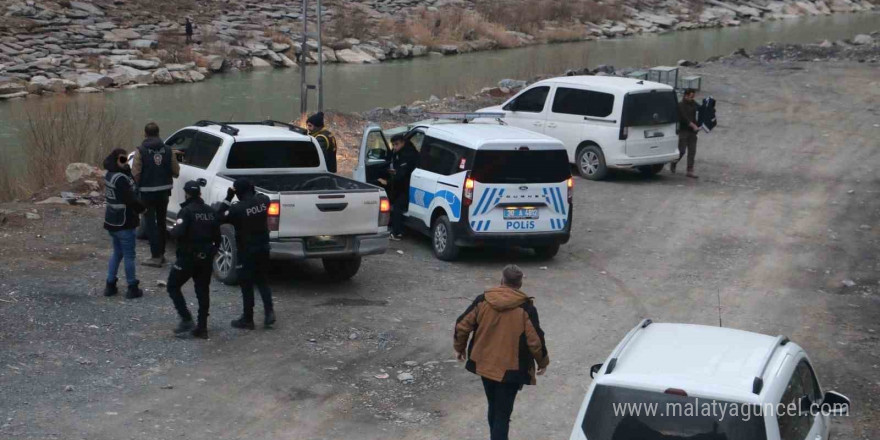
x: 249, y: 217
x: 197, y: 231
x: 315, y: 125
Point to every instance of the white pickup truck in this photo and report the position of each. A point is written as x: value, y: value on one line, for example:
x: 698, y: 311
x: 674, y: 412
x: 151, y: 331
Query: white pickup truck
x: 313, y: 213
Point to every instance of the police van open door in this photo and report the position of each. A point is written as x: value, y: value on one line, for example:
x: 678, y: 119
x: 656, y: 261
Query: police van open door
x: 373, y: 157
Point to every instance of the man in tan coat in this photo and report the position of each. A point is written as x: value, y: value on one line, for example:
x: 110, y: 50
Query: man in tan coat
x: 507, y: 343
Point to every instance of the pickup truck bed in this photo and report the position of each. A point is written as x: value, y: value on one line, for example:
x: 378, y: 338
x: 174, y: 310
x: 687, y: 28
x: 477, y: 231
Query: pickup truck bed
x: 303, y: 182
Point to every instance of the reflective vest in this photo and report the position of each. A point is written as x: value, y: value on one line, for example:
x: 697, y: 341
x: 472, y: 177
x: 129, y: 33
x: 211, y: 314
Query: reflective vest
x: 115, y: 214
x: 155, y: 166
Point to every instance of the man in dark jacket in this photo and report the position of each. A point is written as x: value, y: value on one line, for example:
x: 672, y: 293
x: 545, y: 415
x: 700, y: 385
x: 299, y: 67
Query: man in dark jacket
x: 121, y: 221
x: 188, y: 28
x: 154, y: 169
x: 687, y: 133
x: 315, y: 125
x: 249, y: 217
x: 404, y: 160
x: 507, y: 342
x: 197, y: 231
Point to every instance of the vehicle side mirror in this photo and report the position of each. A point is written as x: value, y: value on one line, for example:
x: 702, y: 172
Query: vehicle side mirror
x: 594, y: 370
x: 835, y: 404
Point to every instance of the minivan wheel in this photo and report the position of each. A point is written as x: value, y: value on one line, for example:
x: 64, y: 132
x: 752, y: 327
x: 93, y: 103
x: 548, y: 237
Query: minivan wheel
x: 341, y: 269
x: 650, y: 170
x: 591, y: 163
x: 443, y: 239
x: 547, y: 252
x: 227, y: 257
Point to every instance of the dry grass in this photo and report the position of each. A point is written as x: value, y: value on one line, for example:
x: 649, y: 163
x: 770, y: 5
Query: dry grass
x: 351, y: 22
x: 453, y: 25
x: 56, y: 133
x: 531, y: 16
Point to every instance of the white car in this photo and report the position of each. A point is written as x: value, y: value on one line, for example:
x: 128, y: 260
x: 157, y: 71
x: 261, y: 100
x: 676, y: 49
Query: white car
x: 480, y: 184
x: 695, y: 382
x: 605, y: 122
x: 312, y: 213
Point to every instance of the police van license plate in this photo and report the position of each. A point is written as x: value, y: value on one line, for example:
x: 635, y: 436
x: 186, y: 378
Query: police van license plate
x: 520, y: 213
x: 325, y: 242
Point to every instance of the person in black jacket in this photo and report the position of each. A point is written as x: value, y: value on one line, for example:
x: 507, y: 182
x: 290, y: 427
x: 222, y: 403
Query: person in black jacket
x: 154, y: 168
x: 404, y: 160
x: 687, y: 133
x: 121, y: 221
x: 197, y: 231
x: 317, y: 130
x: 188, y: 29
x: 249, y: 217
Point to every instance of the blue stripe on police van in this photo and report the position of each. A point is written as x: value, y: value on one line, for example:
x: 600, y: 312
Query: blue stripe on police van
x: 487, y: 225
x: 480, y: 203
x: 555, y: 203
x: 480, y: 225
x: 500, y: 194
x: 489, y: 201
x: 561, y: 202
x: 552, y: 223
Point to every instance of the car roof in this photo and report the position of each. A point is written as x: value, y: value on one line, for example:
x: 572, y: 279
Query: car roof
x: 489, y: 135
x: 253, y: 132
x: 702, y: 360
x: 610, y: 83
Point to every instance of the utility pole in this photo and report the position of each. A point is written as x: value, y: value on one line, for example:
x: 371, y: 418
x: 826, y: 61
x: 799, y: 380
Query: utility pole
x: 320, y: 62
x: 304, y: 91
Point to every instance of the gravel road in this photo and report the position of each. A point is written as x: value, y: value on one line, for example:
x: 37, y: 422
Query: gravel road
x: 785, y: 210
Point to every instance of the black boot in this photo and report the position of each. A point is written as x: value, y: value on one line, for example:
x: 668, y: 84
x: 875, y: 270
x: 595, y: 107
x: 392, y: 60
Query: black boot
x: 243, y: 323
x: 134, y: 291
x: 184, y: 326
x: 672, y: 166
x: 200, y: 332
x: 110, y: 289
x: 270, y: 319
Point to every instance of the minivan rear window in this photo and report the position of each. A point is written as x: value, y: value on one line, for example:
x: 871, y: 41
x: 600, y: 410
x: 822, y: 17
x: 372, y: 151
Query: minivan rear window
x: 516, y: 166
x: 273, y: 154
x: 650, y: 108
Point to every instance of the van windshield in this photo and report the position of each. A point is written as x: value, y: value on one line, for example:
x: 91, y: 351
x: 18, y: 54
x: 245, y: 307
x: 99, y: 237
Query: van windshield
x: 515, y: 166
x: 617, y: 413
x: 273, y: 154
x: 650, y: 108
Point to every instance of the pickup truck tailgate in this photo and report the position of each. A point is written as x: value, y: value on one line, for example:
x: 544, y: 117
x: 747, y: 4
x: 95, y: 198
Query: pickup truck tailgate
x: 340, y: 213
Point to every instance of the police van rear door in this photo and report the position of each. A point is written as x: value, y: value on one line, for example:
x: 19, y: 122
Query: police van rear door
x: 520, y: 189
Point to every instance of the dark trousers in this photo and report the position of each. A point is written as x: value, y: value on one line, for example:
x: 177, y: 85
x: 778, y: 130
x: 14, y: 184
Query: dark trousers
x: 500, y: 397
x: 157, y: 207
x: 687, y: 143
x: 200, y: 271
x: 253, y: 269
x: 398, y: 208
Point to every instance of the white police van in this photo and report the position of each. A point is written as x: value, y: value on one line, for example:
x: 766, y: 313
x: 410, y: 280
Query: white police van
x: 479, y: 182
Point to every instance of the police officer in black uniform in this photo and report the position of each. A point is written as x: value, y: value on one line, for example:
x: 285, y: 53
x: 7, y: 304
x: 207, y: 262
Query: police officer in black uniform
x: 249, y: 218
x: 154, y: 168
x: 198, y: 235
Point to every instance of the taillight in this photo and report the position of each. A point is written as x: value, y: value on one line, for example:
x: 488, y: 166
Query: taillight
x: 570, y: 184
x: 274, y: 215
x: 384, y: 211
x: 676, y: 392
x: 468, y: 191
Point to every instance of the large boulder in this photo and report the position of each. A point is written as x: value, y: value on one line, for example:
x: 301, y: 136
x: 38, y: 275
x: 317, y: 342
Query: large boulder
x: 143, y: 44
x: 448, y: 49
x: 863, y: 39
x: 140, y: 64
x: 92, y: 79
x: 123, y: 75
x: 59, y: 85
x: 259, y: 63
x: 287, y: 62
x: 162, y: 76
x: 123, y: 34
x: 78, y: 170
x: 354, y: 57
x: 87, y: 7
x: 196, y: 76
x: 215, y: 63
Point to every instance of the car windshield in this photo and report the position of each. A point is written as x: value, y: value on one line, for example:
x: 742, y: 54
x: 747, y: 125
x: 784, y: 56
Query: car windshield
x: 521, y: 166
x: 650, y: 108
x: 273, y: 154
x: 617, y: 413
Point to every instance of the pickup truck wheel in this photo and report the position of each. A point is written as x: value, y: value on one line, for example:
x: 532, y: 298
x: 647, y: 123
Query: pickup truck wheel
x: 341, y: 269
x: 546, y: 252
x: 651, y: 170
x: 443, y: 239
x: 226, y: 258
x: 591, y: 163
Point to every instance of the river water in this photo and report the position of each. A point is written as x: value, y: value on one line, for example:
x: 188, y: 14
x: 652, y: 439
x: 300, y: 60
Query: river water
x: 275, y: 93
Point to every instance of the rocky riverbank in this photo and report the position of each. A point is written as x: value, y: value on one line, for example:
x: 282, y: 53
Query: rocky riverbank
x: 49, y: 47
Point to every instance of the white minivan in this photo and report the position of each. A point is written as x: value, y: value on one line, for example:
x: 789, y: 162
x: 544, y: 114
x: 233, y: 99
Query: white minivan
x: 479, y: 183
x: 605, y: 122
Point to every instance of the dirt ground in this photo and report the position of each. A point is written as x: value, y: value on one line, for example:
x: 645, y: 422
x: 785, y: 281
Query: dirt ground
x: 785, y: 210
